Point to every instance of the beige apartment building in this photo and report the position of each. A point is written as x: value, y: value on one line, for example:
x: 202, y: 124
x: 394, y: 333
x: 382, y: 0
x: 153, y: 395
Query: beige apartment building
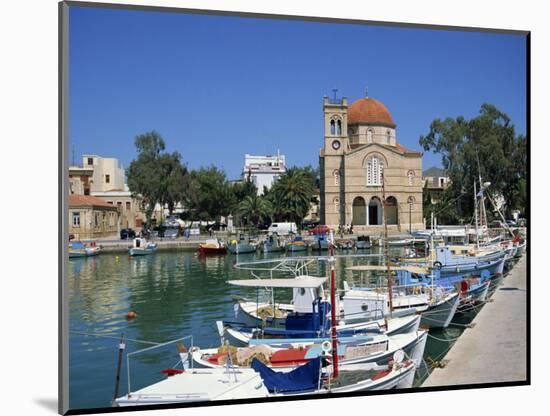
x: 91, y: 218
x: 360, y: 153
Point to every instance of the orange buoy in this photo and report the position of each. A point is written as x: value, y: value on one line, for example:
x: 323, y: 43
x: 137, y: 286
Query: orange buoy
x: 131, y: 315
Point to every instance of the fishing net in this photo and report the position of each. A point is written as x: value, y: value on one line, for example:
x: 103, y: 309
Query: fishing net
x: 268, y: 311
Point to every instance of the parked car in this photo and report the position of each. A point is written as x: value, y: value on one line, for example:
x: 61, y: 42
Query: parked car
x: 320, y: 229
x: 283, y: 228
x: 308, y: 225
x: 171, y: 232
x: 127, y: 233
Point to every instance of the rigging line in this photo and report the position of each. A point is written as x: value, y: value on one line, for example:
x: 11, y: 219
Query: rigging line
x: 113, y: 337
x: 442, y: 339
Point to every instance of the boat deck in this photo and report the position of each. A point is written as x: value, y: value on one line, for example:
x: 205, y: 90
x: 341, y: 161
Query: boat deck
x: 495, y: 349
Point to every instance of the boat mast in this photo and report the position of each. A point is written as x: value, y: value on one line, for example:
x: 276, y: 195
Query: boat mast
x: 475, y: 213
x: 386, y: 248
x: 333, y: 308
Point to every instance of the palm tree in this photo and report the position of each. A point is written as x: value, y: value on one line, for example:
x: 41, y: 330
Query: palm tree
x: 292, y: 194
x: 254, y: 209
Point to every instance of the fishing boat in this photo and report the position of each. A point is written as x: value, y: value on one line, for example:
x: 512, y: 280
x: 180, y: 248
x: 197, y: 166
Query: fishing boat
x: 212, y: 246
x: 242, y: 245
x: 306, y: 317
x: 142, y: 247
x: 260, y: 381
x: 363, y: 242
x: 79, y: 249
x: 295, y: 245
x: 345, y: 244
x: 289, y: 353
x: 272, y: 244
x: 435, y: 303
x: 320, y: 242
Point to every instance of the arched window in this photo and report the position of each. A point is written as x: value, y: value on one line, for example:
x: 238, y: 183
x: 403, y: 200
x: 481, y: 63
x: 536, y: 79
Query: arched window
x: 337, y: 178
x: 339, y: 128
x: 410, y: 177
x: 388, y: 135
x: 369, y: 136
x: 336, y: 204
x: 375, y: 167
x: 332, y: 127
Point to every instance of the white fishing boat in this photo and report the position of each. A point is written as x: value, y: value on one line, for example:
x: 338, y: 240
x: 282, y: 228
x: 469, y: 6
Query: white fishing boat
x: 437, y: 305
x: 142, y: 247
x: 307, y: 316
x: 351, y: 350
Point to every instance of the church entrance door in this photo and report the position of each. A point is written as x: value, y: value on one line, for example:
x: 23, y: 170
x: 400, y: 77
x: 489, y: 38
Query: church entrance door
x: 375, y: 211
x: 359, y: 211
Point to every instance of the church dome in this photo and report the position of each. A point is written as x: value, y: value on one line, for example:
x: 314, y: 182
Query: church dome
x: 369, y: 111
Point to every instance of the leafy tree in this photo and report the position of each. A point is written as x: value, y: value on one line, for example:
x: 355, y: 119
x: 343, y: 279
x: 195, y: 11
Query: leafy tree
x: 484, y: 146
x: 209, y: 194
x: 145, y: 175
x: 255, y: 210
x: 156, y: 176
x: 176, y: 180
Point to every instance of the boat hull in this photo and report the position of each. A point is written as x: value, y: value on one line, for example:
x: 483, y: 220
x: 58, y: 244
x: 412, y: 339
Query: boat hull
x: 440, y: 314
x: 212, y: 250
x: 293, y: 248
x: 241, y: 248
x: 141, y: 251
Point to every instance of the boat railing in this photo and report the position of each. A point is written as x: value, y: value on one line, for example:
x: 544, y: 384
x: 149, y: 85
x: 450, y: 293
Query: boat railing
x: 186, y: 339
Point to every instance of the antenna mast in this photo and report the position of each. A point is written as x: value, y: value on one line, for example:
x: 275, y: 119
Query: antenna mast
x: 386, y: 248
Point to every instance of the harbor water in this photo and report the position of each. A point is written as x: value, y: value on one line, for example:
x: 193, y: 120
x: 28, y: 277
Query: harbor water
x: 173, y: 294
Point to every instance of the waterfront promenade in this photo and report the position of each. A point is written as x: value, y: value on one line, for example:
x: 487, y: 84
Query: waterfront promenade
x: 495, y: 349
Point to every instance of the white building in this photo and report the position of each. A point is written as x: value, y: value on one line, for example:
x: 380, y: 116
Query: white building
x: 263, y: 170
x: 108, y: 174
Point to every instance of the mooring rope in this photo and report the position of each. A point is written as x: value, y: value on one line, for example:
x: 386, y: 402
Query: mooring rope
x: 443, y: 339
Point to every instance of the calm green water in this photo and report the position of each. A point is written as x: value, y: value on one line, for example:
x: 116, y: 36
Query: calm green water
x: 174, y: 294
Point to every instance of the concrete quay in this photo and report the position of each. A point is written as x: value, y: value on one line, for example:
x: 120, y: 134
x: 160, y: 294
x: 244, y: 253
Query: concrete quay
x: 495, y: 349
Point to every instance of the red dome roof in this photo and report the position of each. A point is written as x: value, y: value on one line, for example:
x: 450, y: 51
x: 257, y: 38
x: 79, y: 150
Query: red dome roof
x: 369, y: 111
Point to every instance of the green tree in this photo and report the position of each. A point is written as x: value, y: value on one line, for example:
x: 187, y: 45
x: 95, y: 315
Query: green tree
x: 485, y: 145
x: 176, y: 180
x: 208, y: 197
x: 254, y: 210
x: 155, y: 176
x: 145, y: 175
x: 292, y: 194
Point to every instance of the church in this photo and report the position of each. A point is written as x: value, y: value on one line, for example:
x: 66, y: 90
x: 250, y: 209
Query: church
x: 360, y: 154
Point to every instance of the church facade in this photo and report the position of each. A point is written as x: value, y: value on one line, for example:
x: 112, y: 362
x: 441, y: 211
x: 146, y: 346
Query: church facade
x: 360, y: 154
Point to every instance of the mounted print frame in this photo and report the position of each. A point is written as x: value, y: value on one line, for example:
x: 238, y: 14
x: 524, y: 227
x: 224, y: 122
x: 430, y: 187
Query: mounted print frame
x: 263, y: 208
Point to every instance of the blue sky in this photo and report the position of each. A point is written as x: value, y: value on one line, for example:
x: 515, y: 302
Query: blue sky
x: 218, y: 87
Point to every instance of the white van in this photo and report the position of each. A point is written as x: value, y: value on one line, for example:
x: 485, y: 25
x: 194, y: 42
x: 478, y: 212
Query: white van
x: 283, y: 228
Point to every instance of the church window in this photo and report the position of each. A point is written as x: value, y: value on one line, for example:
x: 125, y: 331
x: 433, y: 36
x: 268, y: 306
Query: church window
x: 336, y: 178
x: 410, y: 177
x: 388, y: 134
x: 375, y: 167
x: 369, y: 136
x: 336, y: 205
x: 332, y: 127
x: 339, y: 128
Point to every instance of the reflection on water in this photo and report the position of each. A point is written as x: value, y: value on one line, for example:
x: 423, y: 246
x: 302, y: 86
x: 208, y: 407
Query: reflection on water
x: 173, y: 294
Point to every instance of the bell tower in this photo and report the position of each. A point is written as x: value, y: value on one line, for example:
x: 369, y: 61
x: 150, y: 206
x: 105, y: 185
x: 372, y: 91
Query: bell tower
x: 336, y: 144
x: 335, y: 113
